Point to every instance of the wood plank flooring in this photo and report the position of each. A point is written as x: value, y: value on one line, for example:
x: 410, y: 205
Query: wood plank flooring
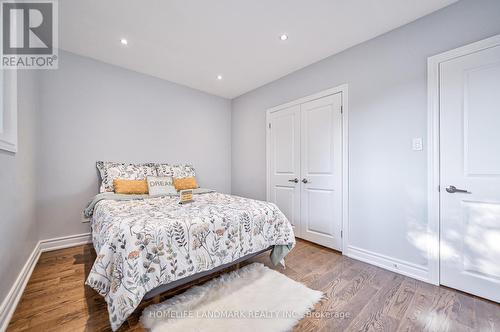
x: 359, y: 297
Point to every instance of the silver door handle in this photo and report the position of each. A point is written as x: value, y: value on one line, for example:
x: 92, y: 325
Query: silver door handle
x: 294, y: 180
x: 453, y: 189
x: 304, y: 180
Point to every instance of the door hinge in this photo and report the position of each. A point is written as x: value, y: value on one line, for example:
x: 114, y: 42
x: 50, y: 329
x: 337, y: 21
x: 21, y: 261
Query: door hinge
x: 341, y: 109
x: 269, y: 125
x: 341, y: 234
x: 439, y: 189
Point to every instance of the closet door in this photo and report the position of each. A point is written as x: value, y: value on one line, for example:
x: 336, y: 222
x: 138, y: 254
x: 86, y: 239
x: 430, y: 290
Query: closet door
x: 284, y: 154
x: 321, y: 171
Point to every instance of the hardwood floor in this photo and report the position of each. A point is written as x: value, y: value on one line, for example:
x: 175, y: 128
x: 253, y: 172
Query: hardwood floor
x: 359, y: 297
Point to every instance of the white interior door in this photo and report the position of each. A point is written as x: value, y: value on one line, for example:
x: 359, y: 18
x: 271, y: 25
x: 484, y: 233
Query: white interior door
x: 321, y: 171
x: 284, y: 154
x: 470, y: 161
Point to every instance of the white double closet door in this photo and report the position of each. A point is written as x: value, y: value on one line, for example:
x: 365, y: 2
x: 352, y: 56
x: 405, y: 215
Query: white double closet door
x: 305, y: 168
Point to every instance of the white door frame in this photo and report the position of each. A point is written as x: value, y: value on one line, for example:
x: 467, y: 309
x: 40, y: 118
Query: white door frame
x: 433, y: 154
x: 345, y: 150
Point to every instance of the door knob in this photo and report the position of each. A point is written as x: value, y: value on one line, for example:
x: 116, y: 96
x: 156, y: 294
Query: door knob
x: 453, y: 189
x: 294, y: 180
x: 304, y: 180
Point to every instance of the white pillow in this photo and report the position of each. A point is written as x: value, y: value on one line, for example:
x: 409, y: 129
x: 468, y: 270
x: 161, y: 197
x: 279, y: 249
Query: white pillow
x: 161, y: 185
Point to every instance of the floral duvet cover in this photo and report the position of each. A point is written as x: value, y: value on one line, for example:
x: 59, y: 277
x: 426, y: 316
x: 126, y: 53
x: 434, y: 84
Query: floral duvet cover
x: 145, y: 243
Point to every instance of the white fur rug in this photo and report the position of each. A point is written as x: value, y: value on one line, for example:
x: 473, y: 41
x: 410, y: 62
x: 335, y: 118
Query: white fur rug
x: 253, y: 298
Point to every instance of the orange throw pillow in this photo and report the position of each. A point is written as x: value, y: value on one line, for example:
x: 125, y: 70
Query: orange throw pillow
x: 185, y: 183
x: 137, y: 187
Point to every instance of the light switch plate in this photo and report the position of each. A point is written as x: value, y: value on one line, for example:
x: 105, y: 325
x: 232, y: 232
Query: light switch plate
x: 417, y: 144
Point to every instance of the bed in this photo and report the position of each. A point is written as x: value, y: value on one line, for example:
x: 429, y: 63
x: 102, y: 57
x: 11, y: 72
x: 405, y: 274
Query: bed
x: 146, y: 245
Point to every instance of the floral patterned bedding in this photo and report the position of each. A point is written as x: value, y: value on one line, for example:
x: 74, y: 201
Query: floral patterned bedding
x: 145, y: 243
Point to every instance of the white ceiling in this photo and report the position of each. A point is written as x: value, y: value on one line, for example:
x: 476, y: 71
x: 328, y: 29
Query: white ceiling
x: 190, y: 42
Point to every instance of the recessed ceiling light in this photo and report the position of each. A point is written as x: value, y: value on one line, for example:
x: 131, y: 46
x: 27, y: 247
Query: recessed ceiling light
x: 284, y: 37
x: 123, y: 41
x: 219, y: 77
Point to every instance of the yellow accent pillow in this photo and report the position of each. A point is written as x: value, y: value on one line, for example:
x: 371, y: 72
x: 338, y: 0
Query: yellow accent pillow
x: 185, y: 183
x: 123, y: 186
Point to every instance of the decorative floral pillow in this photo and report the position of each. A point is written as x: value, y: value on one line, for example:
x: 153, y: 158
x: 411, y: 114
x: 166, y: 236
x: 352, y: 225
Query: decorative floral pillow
x: 164, y: 170
x: 111, y: 170
x: 176, y: 171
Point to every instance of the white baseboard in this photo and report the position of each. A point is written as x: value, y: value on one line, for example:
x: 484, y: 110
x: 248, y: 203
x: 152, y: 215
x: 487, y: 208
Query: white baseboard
x: 10, y: 302
x: 389, y: 263
x: 65, y: 242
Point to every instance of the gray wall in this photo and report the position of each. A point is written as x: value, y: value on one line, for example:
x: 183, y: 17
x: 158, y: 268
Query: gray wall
x: 17, y: 195
x: 387, y: 107
x: 94, y: 111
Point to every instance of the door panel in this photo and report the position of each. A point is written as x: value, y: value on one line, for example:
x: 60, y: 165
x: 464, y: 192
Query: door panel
x: 470, y: 160
x: 481, y: 235
x: 482, y: 119
x: 285, y: 163
x: 284, y: 135
x: 284, y: 198
x: 321, y: 162
x: 319, y: 140
x: 319, y: 209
